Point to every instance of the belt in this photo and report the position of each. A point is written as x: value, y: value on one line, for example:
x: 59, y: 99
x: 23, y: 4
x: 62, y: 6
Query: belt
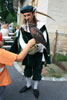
x: 1, y: 69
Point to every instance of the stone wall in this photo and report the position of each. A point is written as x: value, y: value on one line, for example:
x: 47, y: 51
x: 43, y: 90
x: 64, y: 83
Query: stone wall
x: 61, y: 46
x: 58, y: 10
x: 42, y: 7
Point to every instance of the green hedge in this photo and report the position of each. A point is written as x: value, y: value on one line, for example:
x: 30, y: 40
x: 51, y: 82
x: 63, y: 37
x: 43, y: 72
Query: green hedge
x: 60, y: 57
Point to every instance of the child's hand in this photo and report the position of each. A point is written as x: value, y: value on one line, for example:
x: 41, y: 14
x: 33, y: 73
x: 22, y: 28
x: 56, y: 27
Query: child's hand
x: 31, y: 42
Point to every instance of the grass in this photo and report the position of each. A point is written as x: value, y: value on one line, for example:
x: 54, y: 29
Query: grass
x: 51, y: 73
x: 60, y: 57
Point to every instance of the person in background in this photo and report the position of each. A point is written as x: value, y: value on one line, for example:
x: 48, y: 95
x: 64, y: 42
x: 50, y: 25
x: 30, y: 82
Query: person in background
x: 0, y: 26
x: 17, y: 31
x: 10, y: 27
x: 8, y: 58
x: 1, y: 39
x: 4, y: 30
x: 34, y: 60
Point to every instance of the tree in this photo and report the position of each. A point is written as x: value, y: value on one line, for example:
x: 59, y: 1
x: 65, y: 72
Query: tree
x: 3, y: 9
x: 6, y: 11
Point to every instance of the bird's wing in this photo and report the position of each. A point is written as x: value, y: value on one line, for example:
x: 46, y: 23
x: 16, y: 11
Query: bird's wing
x: 34, y: 33
x: 37, y: 34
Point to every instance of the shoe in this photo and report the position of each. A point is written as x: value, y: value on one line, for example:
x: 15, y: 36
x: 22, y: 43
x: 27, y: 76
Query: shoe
x: 24, y: 89
x: 36, y: 93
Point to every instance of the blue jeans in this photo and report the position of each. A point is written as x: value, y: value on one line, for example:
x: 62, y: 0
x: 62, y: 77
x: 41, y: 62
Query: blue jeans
x: 2, y: 89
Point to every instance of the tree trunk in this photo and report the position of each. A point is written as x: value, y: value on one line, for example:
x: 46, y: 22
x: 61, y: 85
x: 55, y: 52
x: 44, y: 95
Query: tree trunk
x: 18, y: 13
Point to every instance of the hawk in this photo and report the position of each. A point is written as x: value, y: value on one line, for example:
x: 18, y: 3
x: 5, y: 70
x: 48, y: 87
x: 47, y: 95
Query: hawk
x: 37, y: 34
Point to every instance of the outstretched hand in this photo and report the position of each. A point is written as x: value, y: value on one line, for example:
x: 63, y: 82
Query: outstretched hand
x: 32, y: 42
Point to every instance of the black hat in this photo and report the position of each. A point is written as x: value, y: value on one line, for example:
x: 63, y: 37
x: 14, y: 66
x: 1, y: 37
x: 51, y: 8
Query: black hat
x: 27, y: 8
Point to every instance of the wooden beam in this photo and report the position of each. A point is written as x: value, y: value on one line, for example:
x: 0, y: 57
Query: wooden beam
x: 55, y: 43
x: 32, y: 2
x: 36, y: 3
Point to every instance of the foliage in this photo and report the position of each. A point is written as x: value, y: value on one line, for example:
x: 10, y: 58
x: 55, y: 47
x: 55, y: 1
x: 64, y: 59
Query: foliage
x: 14, y: 25
x: 3, y: 9
x: 7, y: 12
x: 11, y: 18
x: 60, y: 57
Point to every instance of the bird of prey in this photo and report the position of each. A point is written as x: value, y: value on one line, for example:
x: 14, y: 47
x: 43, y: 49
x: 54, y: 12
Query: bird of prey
x: 37, y: 34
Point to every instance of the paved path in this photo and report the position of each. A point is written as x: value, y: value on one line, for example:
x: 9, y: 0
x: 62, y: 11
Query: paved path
x: 49, y: 90
x: 20, y: 69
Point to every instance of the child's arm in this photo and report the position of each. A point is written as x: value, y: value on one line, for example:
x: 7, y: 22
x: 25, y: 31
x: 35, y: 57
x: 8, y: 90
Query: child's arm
x: 24, y: 52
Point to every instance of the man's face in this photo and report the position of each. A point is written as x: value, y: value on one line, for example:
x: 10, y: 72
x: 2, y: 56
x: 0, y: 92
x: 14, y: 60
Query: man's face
x: 28, y: 16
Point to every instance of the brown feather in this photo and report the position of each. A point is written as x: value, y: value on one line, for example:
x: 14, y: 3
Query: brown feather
x: 44, y: 15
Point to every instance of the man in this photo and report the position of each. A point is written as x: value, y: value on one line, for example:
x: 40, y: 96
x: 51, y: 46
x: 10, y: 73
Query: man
x: 34, y: 60
x: 7, y: 58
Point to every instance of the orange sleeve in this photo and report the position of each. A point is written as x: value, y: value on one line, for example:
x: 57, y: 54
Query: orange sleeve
x: 7, y: 57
